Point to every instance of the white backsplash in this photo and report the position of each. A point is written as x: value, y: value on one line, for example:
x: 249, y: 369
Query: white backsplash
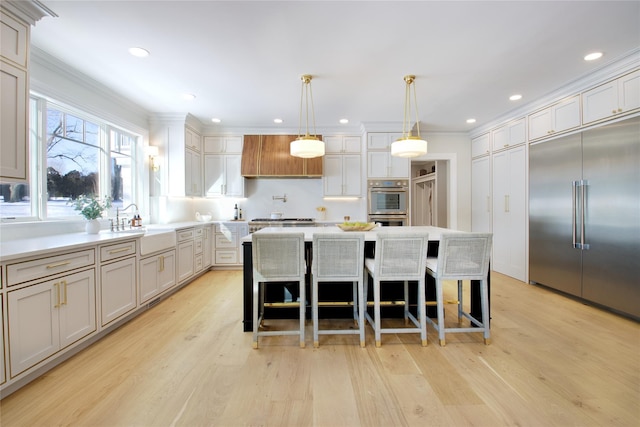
x: 304, y: 196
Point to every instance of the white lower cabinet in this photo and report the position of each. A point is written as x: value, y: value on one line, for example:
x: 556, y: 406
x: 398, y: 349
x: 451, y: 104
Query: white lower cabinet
x: 207, y: 246
x: 185, y: 260
x: 228, y: 249
x: 3, y: 375
x: 49, y: 316
x: 157, y: 274
x: 117, y: 289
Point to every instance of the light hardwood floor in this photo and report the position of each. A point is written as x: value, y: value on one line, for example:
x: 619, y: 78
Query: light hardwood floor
x: 553, y: 361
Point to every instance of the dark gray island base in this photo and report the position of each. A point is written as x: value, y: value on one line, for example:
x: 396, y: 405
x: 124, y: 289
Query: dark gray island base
x: 339, y: 291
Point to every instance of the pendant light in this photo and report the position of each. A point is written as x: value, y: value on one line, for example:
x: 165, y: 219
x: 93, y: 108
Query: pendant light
x: 306, y: 146
x: 409, y: 145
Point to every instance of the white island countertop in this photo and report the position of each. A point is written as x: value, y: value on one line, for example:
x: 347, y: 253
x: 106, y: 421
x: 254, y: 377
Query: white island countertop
x: 370, y: 236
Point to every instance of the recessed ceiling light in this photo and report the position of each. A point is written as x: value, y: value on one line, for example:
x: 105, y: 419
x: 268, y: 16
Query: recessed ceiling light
x: 515, y: 97
x: 139, y: 52
x: 471, y: 120
x: 593, y: 56
x: 344, y: 121
x: 216, y: 120
x: 188, y: 96
x: 277, y: 121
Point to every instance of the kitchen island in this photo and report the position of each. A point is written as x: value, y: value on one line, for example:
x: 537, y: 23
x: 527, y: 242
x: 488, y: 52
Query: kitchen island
x: 279, y: 294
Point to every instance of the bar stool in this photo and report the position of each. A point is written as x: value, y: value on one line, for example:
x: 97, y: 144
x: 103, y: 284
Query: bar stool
x: 277, y: 257
x: 338, y: 257
x: 399, y: 256
x: 462, y: 256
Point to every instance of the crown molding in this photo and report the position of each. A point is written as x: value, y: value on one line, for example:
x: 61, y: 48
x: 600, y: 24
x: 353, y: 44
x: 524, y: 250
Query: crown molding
x: 30, y: 11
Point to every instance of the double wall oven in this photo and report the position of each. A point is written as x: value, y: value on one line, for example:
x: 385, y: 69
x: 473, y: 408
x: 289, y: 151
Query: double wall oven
x: 388, y: 202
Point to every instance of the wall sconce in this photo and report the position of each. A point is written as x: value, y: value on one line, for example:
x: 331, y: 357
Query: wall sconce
x: 153, y: 152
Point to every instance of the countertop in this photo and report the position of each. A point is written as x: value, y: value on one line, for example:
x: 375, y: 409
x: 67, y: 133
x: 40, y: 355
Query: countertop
x: 434, y: 232
x: 37, y: 246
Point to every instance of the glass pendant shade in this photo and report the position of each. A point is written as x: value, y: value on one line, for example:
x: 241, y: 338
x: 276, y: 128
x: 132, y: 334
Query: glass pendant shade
x: 409, y: 145
x: 306, y: 146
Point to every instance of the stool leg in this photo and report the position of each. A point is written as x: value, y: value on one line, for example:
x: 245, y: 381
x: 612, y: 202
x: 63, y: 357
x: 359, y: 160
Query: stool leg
x: 485, y: 310
x: 422, y: 312
x: 376, y: 312
x: 303, y: 307
x: 406, y: 302
x: 256, y: 295
x: 440, y: 310
x: 361, y: 306
x: 314, y: 311
x: 460, y: 296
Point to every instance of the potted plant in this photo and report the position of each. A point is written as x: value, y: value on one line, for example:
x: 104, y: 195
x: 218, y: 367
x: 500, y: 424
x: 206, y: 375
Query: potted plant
x: 91, y: 208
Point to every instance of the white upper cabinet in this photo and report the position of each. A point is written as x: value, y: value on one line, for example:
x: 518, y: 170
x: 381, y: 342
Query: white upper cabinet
x: 342, y: 175
x: 13, y: 97
x: 223, y: 144
x: 222, y: 175
x: 559, y: 117
x: 480, y: 146
x: 380, y: 162
x: 509, y: 135
x: 617, y: 97
x: 192, y: 140
x: 342, y: 144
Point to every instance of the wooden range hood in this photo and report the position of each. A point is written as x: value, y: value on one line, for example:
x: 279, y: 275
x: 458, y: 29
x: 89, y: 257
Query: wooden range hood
x: 267, y: 156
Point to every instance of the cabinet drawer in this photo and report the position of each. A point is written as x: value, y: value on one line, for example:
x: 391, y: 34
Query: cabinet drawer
x: 39, y: 268
x: 198, y: 232
x: 226, y: 257
x: 199, y: 263
x: 186, y: 234
x: 225, y: 240
x: 117, y: 251
x: 198, y: 245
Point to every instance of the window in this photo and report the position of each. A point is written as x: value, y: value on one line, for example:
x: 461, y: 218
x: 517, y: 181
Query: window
x: 80, y: 155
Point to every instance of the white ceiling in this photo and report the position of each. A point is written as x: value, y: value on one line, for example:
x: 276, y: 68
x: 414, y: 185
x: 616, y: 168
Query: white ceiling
x: 243, y: 60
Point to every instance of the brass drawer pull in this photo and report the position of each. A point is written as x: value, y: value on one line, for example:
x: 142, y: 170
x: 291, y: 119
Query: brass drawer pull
x: 59, y: 264
x: 115, y: 251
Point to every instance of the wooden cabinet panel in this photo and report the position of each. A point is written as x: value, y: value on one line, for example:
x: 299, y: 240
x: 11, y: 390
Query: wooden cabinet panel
x: 268, y: 155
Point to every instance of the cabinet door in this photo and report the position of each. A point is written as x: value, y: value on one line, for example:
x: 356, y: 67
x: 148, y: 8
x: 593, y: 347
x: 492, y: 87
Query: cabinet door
x: 480, y: 146
x: 13, y: 123
x: 192, y: 173
x: 352, y: 175
x: 185, y: 260
x: 509, y: 135
x: 167, y: 270
x: 600, y: 102
x: 207, y: 247
x: 234, y: 182
x: 566, y: 114
x: 399, y: 167
x: 629, y: 92
x: 481, y: 195
x: 149, y: 271
x: 509, y: 213
x: 77, y: 307
x: 333, y: 145
x: 117, y: 289
x: 34, y: 331
x: 540, y: 124
x: 223, y: 144
x: 213, y: 175
x: 332, y: 178
x: 377, y: 164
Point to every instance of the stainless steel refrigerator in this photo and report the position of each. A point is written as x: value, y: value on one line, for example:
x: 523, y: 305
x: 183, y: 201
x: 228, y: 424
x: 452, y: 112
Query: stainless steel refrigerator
x: 584, y: 215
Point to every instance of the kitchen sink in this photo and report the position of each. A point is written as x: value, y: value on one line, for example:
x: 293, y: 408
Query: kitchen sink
x: 155, y: 240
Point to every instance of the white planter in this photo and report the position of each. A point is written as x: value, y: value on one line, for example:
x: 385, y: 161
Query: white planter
x: 92, y: 226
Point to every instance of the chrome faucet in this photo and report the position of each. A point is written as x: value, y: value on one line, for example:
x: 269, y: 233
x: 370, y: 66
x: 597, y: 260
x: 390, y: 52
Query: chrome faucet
x: 118, y: 216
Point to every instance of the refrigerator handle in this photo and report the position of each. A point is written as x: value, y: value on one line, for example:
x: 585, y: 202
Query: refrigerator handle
x: 574, y: 190
x: 583, y: 208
